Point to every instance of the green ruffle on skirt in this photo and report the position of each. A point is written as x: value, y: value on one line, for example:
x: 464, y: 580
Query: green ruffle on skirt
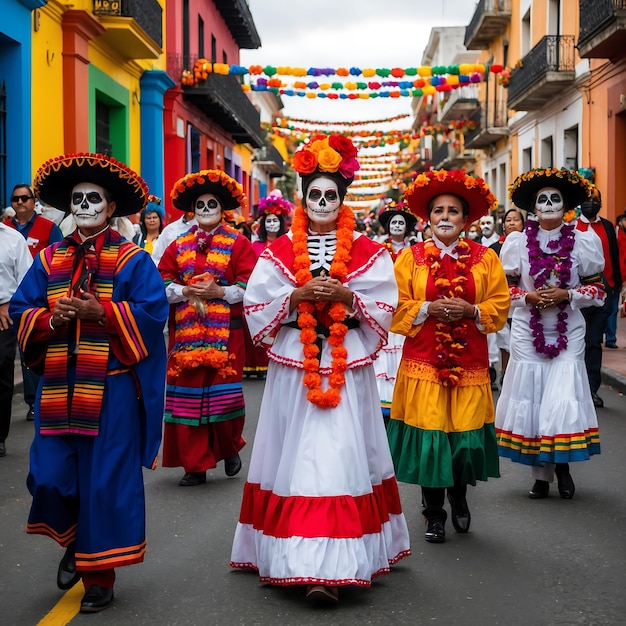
x: 433, y: 458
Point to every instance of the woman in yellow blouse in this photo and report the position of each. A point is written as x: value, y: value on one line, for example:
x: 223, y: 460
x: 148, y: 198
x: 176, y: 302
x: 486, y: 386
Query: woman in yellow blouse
x: 452, y: 292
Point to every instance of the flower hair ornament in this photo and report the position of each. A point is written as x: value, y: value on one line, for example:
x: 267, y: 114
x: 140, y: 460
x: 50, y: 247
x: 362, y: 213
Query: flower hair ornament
x: 327, y: 153
x: 275, y: 204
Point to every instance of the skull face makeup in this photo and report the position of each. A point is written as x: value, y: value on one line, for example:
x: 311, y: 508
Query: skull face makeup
x: 272, y: 223
x: 90, y: 208
x: 397, y: 226
x: 487, y: 225
x: 323, y: 201
x: 208, y: 211
x: 549, y: 204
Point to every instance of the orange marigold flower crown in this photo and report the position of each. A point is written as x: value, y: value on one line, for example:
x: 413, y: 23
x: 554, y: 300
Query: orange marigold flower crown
x: 427, y: 185
x: 327, y: 153
x: 188, y: 188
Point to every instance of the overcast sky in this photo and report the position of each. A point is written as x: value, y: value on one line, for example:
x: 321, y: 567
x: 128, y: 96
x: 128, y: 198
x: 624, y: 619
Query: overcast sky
x: 349, y: 33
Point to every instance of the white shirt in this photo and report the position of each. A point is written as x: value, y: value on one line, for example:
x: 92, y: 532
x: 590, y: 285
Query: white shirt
x: 15, y: 259
x: 169, y: 233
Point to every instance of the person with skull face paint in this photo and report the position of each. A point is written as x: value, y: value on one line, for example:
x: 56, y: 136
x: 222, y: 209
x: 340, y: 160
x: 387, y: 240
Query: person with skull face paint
x: 321, y: 506
x: 452, y: 293
x: 89, y: 317
x: 545, y: 415
x: 206, y: 271
x: 488, y: 234
x: 273, y: 211
x: 398, y: 222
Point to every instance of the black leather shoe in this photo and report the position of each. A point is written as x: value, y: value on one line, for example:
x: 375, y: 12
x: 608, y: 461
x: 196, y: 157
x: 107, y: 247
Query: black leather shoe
x: 598, y: 402
x: 30, y: 416
x: 3, y: 449
x: 191, y: 479
x: 435, y: 531
x: 611, y: 345
x: 540, y: 490
x: 565, y: 481
x: 96, y: 599
x: 461, y: 516
x: 67, y: 576
x: 232, y: 465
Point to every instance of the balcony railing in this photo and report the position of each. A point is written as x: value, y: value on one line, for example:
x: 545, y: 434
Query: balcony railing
x: 602, y: 31
x: 492, y: 125
x: 131, y: 41
x: 490, y: 19
x: 461, y: 103
x: 269, y: 159
x: 448, y: 157
x: 236, y: 14
x: 545, y: 71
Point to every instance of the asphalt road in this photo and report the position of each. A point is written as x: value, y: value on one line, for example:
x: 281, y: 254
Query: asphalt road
x: 540, y: 562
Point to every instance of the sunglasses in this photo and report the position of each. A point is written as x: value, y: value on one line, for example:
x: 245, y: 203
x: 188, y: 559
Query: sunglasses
x: 22, y: 198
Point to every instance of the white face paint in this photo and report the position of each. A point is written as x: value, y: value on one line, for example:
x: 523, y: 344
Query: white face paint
x: 549, y: 204
x: 272, y: 223
x: 208, y: 211
x: 322, y: 201
x: 487, y: 225
x: 397, y: 226
x: 90, y: 208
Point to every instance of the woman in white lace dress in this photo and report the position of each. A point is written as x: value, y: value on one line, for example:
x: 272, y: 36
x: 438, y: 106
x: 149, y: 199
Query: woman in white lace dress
x: 545, y: 416
x: 321, y: 505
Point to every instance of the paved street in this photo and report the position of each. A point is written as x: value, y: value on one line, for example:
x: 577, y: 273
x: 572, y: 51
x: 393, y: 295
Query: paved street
x: 542, y: 562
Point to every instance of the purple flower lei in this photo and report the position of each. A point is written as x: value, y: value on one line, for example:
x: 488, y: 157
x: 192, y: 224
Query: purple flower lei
x: 542, y: 266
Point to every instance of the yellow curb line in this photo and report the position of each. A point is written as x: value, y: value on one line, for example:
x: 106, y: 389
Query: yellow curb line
x: 66, y: 609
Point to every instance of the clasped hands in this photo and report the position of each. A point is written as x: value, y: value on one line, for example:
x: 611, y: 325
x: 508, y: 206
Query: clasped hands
x: 547, y: 298
x: 451, y: 309
x: 322, y: 289
x: 87, y: 307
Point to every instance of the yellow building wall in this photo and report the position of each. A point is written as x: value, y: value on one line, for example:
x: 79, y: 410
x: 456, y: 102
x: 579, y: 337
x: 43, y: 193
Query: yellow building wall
x: 47, y: 68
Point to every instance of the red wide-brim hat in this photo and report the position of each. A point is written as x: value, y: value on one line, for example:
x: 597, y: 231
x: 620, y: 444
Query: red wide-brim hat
x: 574, y: 187
x: 189, y: 188
x: 473, y: 190
x: 56, y: 178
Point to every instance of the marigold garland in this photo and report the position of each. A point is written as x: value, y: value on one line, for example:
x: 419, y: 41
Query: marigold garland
x: 201, y: 339
x: 451, y: 337
x: 336, y: 310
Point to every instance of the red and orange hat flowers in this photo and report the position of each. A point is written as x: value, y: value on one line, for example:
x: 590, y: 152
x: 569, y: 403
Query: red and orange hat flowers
x: 189, y: 188
x: 473, y: 190
x: 275, y: 203
x: 327, y: 153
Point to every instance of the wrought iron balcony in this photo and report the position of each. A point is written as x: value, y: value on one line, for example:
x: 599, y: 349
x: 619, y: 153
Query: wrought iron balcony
x: 269, y: 159
x: 448, y: 157
x: 545, y: 71
x: 236, y: 14
x: 602, y: 31
x: 223, y: 101
x: 492, y: 120
x: 490, y: 19
x: 461, y: 103
x: 133, y: 27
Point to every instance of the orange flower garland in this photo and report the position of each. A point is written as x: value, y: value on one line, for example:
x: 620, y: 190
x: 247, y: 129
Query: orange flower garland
x: 306, y: 320
x: 450, y: 338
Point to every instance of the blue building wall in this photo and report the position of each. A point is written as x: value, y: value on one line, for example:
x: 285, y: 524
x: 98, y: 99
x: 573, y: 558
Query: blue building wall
x: 15, y: 73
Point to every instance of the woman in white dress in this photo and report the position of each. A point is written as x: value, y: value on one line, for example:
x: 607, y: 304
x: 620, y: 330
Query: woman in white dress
x: 545, y: 416
x: 321, y: 505
x: 398, y: 223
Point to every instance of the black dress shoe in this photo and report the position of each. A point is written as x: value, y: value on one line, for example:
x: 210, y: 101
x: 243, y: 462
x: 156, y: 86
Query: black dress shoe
x: 461, y: 516
x: 566, y: 484
x: 96, y: 599
x: 540, y: 490
x: 598, y: 402
x: 435, y: 531
x: 3, y: 449
x: 232, y: 465
x: 30, y: 416
x: 191, y: 479
x: 67, y: 576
